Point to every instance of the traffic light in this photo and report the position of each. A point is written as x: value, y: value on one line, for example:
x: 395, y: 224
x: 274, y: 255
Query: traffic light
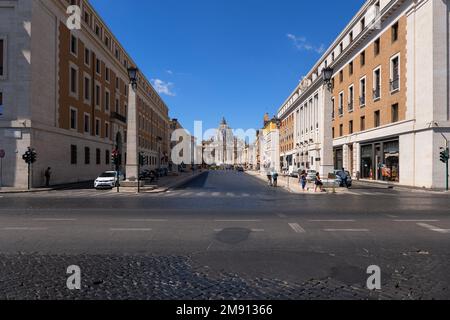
x: 30, y: 156
x: 445, y: 155
x: 115, y: 157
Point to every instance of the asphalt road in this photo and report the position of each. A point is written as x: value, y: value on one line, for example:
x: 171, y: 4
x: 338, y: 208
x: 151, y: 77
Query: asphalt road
x: 225, y: 235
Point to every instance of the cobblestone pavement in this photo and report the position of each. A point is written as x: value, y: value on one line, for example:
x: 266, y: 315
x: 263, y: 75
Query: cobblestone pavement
x: 43, y: 277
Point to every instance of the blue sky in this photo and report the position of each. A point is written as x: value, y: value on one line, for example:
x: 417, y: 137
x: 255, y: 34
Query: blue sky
x: 232, y: 58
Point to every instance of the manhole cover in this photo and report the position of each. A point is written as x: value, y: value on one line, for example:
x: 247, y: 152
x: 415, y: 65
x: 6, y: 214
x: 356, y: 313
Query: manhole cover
x: 233, y: 235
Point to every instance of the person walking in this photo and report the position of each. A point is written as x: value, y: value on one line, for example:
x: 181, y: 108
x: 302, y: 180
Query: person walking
x: 303, y: 180
x: 274, y: 178
x: 344, y: 178
x: 318, y: 183
x: 47, y: 175
x: 269, y: 178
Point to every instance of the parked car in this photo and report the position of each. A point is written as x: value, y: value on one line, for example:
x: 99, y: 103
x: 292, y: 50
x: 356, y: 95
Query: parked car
x: 240, y: 169
x: 339, y: 180
x: 108, y: 180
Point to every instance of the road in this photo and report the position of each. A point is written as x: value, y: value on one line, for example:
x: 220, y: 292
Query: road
x: 226, y: 235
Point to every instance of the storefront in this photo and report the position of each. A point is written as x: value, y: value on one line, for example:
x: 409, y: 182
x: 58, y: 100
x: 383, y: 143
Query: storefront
x: 380, y: 161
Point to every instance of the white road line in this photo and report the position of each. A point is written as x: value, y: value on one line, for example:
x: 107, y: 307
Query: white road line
x: 352, y: 193
x: 237, y: 220
x: 24, y: 229
x: 245, y: 195
x: 54, y: 219
x: 433, y: 228
x: 416, y: 220
x: 297, y: 228
x: 147, y: 220
x: 216, y: 194
x: 201, y: 194
x: 129, y: 229
x: 281, y: 215
x: 391, y: 216
x: 346, y: 230
x: 332, y: 220
x: 252, y: 230
x: 231, y: 194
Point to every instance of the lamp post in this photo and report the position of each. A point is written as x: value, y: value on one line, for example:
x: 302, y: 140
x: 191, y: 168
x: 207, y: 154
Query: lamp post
x: 132, y: 165
x: 327, y: 75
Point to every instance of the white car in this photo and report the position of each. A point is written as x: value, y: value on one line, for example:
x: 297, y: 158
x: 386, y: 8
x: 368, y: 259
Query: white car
x: 108, y: 180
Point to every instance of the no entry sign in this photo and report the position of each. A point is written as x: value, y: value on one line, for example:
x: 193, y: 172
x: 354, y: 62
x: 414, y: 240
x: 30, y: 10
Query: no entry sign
x: 2, y: 154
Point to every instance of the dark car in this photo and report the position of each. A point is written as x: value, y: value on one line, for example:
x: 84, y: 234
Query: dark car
x: 240, y: 169
x: 339, y: 180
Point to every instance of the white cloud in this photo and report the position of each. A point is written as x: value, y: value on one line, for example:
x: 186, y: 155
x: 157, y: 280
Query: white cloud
x: 169, y: 72
x: 303, y: 45
x: 163, y: 87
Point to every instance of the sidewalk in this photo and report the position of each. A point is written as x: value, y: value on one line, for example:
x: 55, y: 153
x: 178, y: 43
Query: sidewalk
x: 292, y: 184
x: 162, y: 185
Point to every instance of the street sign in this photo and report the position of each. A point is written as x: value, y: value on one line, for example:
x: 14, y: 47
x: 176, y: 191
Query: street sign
x: 2, y: 154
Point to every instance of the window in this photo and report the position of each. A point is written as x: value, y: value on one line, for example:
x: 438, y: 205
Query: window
x: 107, y: 74
x: 98, y: 67
x: 87, y: 123
x: 107, y: 101
x: 394, y: 113
x: 74, y: 45
x: 2, y: 57
x: 87, y: 57
x: 106, y: 130
x: 350, y: 127
x: 363, y: 58
x: 350, y: 98
x: 341, y: 104
x: 362, y: 92
x: 363, y: 24
x: 377, y: 84
x: 117, y: 83
x: 97, y: 30
x: 117, y: 106
x: 97, y: 95
x: 341, y: 47
x: 377, y: 47
x: 351, y: 36
x: 87, y: 89
x: 332, y: 110
x: 73, y: 154
x: 73, y: 81
x: 87, y: 155
x: 73, y: 118
x: 395, y: 73
x: 332, y: 56
x: 350, y: 68
x: 332, y: 133
x: 1, y: 104
x: 341, y: 130
x: 107, y: 42
x: 394, y: 32
x: 376, y: 119
x: 341, y: 76
x: 107, y: 157
x: 97, y: 127
x: 87, y: 18
x: 363, y: 123
x: 98, y: 155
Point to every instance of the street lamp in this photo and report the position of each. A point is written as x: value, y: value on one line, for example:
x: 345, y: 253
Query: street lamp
x: 132, y: 74
x: 327, y: 75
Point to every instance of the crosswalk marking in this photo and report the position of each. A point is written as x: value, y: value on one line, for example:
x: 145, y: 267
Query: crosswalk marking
x: 297, y: 228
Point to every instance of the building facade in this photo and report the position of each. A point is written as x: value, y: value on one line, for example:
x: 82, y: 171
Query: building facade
x: 386, y: 113
x: 65, y: 93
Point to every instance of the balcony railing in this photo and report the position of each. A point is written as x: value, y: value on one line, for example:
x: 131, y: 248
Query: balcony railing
x: 362, y: 101
x: 395, y: 84
x: 118, y: 116
x: 376, y: 93
x: 350, y: 106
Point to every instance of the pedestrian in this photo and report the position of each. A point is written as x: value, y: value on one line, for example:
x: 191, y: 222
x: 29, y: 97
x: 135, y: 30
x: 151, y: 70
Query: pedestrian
x: 47, y: 175
x: 303, y: 180
x: 275, y: 178
x: 318, y: 183
x: 344, y: 178
x: 269, y: 178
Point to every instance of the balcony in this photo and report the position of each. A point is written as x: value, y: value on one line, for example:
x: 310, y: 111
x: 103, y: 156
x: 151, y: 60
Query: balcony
x: 119, y: 117
x: 377, y: 93
x: 395, y: 84
x: 362, y: 101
